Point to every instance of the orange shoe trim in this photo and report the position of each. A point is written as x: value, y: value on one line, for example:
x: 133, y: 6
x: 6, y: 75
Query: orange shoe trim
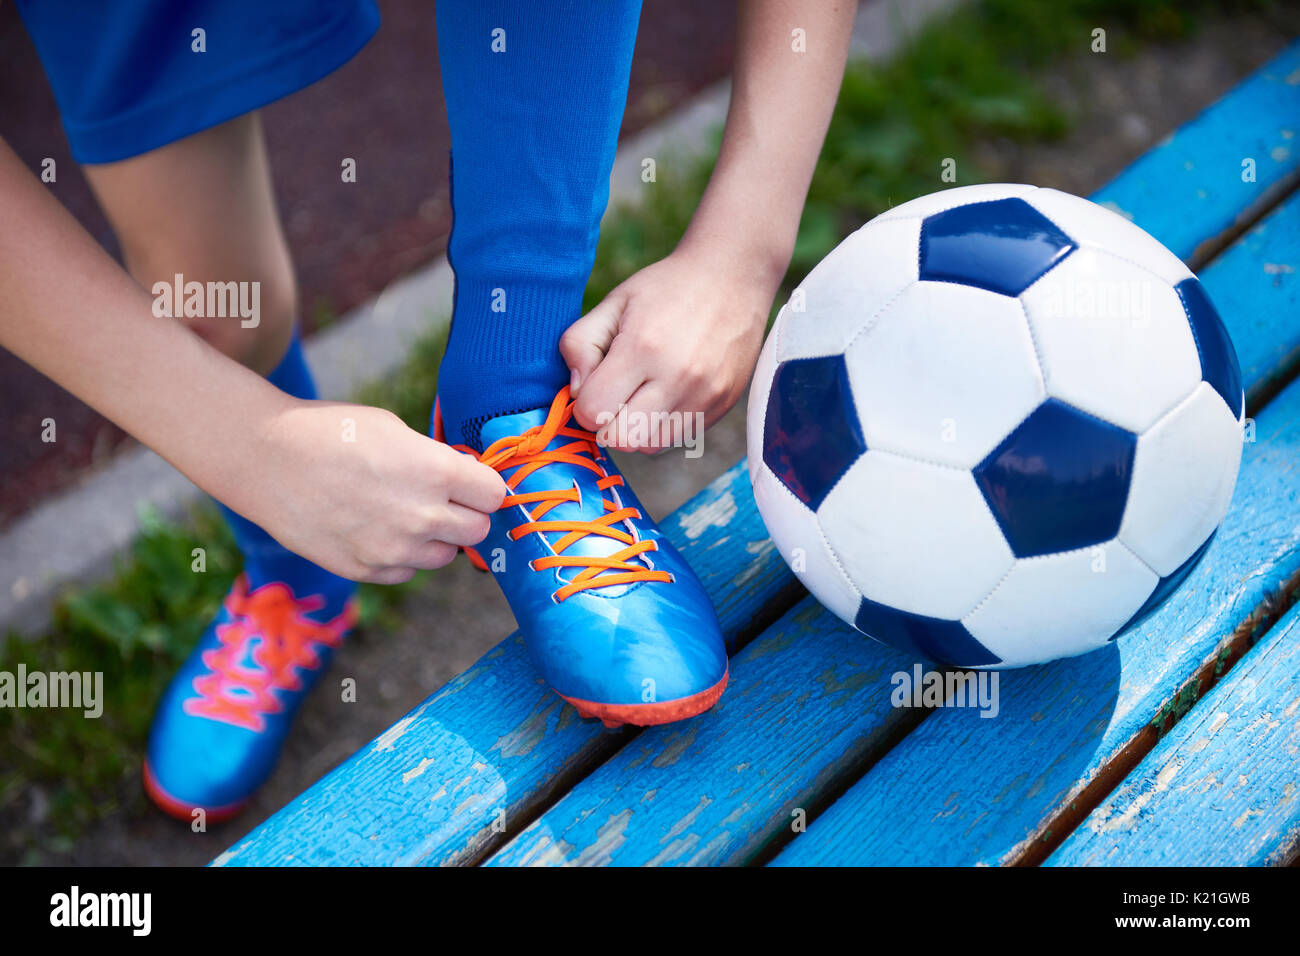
x: 439, y: 430
x: 182, y: 810
x: 440, y: 434
x: 653, y: 714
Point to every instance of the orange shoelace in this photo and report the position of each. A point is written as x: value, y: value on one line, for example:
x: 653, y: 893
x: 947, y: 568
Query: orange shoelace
x: 287, y: 640
x: 528, y: 452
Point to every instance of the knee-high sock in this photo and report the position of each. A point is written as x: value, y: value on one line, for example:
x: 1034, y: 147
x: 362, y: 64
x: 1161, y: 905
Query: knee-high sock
x: 535, y: 95
x: 265, y: 559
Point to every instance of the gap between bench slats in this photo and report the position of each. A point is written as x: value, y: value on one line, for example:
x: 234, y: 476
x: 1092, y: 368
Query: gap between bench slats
x: 1201, y: 165
x: 1221, y: 789
x: 808, y: 703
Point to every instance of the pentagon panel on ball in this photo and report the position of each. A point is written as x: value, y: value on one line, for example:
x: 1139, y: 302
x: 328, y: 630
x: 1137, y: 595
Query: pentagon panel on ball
x: 1002, y: 245
x: 811, y: 434
x: 923, y: 206
x: 1059, y: 481
x: 933, y: 638
x: 1218, y: 358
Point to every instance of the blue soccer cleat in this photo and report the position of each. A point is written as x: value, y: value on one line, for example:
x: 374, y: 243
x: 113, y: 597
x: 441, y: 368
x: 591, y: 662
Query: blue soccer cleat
x: 613, y: 617
x: 224, y: 717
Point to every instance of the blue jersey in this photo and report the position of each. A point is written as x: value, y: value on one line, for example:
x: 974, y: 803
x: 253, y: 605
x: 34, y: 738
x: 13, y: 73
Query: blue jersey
x: 132, y: 75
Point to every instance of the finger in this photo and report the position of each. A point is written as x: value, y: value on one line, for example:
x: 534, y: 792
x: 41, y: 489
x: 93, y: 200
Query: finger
x: 389, y: 575
x: 434, y: 554
x: 475, y: 485
x: 649, y: 406
x: 610, y: 386
x: 587, y: 341
x: 457, y: 524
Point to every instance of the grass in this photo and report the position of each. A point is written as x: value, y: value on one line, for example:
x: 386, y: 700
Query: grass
x: 965, y: 79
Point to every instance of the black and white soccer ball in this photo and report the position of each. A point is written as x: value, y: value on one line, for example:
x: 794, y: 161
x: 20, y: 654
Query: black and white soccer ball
x: 996, y: 426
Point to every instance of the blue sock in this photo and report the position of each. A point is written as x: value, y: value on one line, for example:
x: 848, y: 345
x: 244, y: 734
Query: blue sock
x: 534, y: 129
x: 265, y: 559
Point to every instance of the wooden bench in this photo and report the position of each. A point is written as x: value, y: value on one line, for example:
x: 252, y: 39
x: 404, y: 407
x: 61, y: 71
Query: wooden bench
x: 1117, y: 757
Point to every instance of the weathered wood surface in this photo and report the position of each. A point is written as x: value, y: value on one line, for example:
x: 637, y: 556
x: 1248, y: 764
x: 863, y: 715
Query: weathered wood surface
x: 808, y: 704
x: 1195, y: 189
x: 1256, y: 282
x: 454, y: 776
x: 1223, y: 787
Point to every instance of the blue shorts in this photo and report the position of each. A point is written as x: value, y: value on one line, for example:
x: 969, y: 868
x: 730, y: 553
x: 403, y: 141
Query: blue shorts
x: 128, y: 79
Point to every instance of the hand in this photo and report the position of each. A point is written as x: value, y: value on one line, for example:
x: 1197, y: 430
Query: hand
x: 681, y: 335
x: 355, y: 490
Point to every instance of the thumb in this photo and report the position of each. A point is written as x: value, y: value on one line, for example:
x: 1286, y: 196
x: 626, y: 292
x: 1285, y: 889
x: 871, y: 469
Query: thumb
x: 585, y: 343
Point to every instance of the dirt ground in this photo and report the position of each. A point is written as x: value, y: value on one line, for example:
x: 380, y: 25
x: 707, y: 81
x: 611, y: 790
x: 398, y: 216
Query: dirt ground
x: 1120, y: 111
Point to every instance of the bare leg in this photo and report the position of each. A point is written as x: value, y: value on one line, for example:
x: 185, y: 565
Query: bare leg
x: 203, y: 207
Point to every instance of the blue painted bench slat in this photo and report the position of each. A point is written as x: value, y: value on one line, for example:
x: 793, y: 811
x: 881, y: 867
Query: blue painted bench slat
x: 1256, y: 281
x: 433, y: 788
x: 1223, y: 788
x: 808, y: 705
x: 1188, y: 192
x: 449, y: 783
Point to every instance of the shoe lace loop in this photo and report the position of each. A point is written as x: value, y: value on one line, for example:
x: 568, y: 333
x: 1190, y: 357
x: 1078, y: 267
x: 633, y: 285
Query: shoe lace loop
x: 287, y: 641
x: 527, y: 453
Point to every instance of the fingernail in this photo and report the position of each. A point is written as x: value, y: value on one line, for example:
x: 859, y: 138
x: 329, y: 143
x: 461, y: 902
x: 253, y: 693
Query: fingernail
x: 574, y: 380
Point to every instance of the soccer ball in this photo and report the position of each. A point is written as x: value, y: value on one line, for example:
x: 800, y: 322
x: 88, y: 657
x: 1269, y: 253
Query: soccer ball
x: 996, y: 426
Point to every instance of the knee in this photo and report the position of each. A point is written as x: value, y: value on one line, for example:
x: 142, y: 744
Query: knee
x: 245, y: 310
